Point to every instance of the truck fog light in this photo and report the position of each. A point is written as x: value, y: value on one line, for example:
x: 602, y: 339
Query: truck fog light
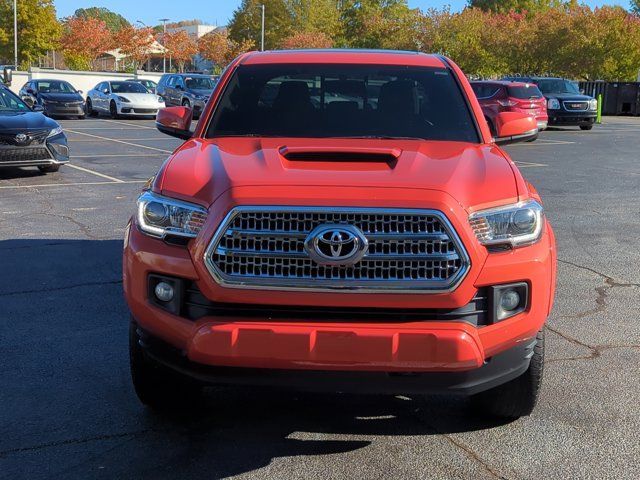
x: 164, y: 292
x: 509, y: 301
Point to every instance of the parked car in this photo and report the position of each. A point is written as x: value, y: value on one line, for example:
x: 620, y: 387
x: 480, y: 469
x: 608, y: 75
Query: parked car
x: 496, y: 97
x: 148, y: 84
x: 566, y: 105
x: 57, y: 97
x: 122, y: 98
x: 380, y: 243
x: 186, y: 89
x: 27, y: 137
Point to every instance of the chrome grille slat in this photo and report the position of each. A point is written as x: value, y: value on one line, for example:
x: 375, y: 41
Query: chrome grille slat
x: 408, y: 250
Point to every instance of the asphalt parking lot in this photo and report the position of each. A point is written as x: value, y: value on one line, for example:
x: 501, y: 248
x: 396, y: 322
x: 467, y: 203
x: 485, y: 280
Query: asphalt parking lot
x: 67, y: 409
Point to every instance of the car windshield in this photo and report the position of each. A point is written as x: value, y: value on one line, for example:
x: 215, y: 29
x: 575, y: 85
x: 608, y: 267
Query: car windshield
x: 9, y: 103
x: 329, y: 100
x: 127, y: 87
x: 558, y: 86
x: 55, y: 87
x: 199, y: 83
x: 525, y: 92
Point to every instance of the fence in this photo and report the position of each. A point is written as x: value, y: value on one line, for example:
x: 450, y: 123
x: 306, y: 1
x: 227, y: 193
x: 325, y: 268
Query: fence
x: 618, y: 98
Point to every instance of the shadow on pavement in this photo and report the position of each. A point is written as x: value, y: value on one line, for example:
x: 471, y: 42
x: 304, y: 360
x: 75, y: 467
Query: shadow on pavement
x: 69, y: 411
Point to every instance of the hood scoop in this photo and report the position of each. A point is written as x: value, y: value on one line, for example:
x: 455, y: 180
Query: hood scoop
x: 341, y: 154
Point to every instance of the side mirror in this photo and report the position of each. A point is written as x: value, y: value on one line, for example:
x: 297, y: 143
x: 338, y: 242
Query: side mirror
x: 514, y: 127
x: 175, y: 121
x: 582, y: 91
x: 7, y: 76
x: 28, y: 100
x: 179, y: 87
x: 79, y: 91
x: 37, y: 108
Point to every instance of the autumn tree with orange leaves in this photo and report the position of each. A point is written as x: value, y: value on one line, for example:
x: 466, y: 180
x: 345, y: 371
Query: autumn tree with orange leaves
x: 135, y: 44
x: 218, y: 48
x: 180, y: 46
x: 83, y: 40
x: 307, y: 40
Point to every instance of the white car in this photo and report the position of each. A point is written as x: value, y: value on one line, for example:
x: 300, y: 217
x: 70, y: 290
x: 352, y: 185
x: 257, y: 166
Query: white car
x: 122, y: 98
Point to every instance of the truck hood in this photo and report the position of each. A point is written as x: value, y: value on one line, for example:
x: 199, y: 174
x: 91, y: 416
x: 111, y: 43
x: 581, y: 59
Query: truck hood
x: 475, y: 175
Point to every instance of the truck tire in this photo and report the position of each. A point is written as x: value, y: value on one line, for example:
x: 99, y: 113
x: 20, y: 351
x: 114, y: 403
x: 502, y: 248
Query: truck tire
x: 155, y: 385
x: 49, y: 168
x: 516, y: 398
x: 586, y: 127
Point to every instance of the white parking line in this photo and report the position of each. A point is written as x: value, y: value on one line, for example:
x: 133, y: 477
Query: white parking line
x: 93, y: 172
x: 120, y: 155
x: 523, y: 164
x: 129, y: 124
x: 121, y: 182
x: 126, y: 139
x: 121, y: 141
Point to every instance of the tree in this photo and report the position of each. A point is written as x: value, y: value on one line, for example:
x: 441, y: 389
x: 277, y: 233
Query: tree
x: 379, y: 24
x: 504, y: 6
x: 83, y: 40
x: 247, y: 19
x: 307, y: 40
x: 180, y: 46
x: 135, y: 44
x: 320, y: 16
x: 635, y: 7
x: 38, y: 29
x: 220, y: 49
x: 112, y: 20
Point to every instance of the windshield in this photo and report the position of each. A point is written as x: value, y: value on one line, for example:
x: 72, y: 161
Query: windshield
x: 127, y: 87
x: 558, y: 86
x: 320, y: 100
x: 525, y: 92
x: 199, y: 83
x: 55, y: 87
x: 9, y: 103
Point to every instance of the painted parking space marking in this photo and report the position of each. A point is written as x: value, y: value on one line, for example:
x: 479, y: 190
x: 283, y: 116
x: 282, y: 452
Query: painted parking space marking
x: 106, y: 155
x: 124, y: 139
x: 120, y: 182
x: 97, y: 174
x: 128, y: 124
x: 523, y: 164
x: 121, y: 141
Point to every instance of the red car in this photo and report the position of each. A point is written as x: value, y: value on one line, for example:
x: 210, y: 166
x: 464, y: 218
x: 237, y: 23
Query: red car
x: 503, y: 96
x: 345, y: 221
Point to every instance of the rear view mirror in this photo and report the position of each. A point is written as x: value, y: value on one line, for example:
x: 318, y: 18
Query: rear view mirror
x: 175, y: 121
x: 7, y: 76
x: 514, y: 127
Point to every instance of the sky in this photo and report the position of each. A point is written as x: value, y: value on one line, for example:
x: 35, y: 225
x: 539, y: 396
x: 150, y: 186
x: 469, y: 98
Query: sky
x: 218, y: 12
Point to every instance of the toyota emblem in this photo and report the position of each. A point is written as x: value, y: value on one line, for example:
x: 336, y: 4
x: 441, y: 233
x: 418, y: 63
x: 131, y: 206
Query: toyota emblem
x: 336, y: 245
x: 21, y: 138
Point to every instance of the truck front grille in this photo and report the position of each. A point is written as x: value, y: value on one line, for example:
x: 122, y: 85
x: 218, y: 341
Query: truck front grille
x: 268, y: 247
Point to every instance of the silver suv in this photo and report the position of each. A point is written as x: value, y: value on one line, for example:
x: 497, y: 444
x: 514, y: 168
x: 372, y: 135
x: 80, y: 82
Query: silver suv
x: 187, y: 89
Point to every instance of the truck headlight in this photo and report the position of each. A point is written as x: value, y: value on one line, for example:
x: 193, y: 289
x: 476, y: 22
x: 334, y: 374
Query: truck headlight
x: 553, y: 104
x: 593, y: 104
x: 160, y: 216
x: 517, y: 225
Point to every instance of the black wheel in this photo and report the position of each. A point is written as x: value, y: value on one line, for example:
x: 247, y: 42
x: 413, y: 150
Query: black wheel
x: 113, y: 110
x: 518, y: 397
x: 89, y: 109
x: 586, y: 127
x: 49, y: 168
x: 155, y: 385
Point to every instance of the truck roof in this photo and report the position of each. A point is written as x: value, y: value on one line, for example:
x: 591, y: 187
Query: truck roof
x: 347, y: 56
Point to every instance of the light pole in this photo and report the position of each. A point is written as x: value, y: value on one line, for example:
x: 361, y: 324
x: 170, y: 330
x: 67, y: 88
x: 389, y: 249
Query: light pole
x: 15, y: 34
x: 164, y: 50
x: 262, y: 32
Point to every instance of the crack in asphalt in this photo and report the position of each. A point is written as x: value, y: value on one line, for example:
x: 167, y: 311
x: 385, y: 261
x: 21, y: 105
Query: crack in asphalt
x: 602, y: 292
x: 74, y: 441
x: 66, y: 287
x: 474, y: 456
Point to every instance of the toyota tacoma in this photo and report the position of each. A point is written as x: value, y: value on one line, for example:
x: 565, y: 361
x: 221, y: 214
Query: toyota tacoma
x: 341, y: 220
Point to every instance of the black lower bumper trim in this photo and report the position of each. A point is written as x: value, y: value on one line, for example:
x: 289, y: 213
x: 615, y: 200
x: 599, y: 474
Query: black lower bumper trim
x: 497, y: 370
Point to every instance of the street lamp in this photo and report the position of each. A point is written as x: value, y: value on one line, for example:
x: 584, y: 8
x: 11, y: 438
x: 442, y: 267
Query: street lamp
x: 164, y: 50
x: 15, y: 34
x: 262, y: 32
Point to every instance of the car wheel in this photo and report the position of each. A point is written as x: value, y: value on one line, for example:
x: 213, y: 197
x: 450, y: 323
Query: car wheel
x: 518, y: 397
x: 586, y: 127
x: 89, y: 109
x: 113, y: 109
x: 49, y: 168
x: 155, y: 385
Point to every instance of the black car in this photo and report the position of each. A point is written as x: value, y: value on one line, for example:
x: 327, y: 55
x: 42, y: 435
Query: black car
x: 27, y: 137
x: 566, y: 106
x: 187, y: 89
x: 57, y: 97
